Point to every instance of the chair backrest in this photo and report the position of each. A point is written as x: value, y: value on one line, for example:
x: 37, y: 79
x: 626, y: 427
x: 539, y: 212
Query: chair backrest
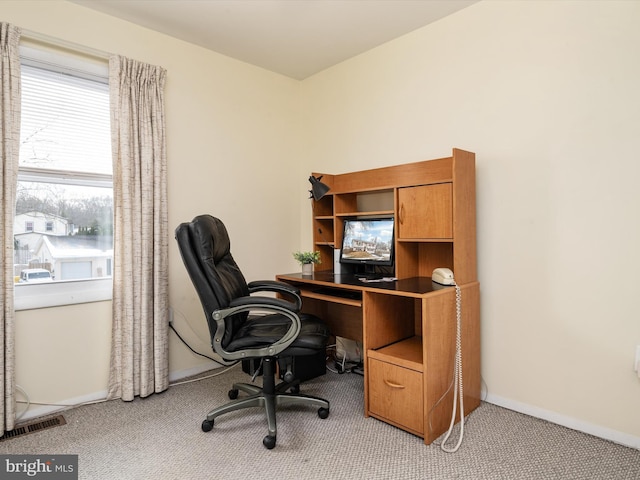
x: 206, y: 252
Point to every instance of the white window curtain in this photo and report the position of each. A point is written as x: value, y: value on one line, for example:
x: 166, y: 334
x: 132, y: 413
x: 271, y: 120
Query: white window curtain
x: 139, y: 355
x: 9, y: 151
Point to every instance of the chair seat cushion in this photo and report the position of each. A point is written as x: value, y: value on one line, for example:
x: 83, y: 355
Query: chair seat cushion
x: 262, y: 331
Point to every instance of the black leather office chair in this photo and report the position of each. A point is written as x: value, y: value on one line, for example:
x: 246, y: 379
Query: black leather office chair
x: 280, y: 330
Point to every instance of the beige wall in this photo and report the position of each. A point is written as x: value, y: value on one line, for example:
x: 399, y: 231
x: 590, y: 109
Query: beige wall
x: 546, y: 95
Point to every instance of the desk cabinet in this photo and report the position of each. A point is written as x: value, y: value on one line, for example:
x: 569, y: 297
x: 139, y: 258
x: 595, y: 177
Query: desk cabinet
x: 409, y: 343
x: 410, y: 340
x: 425, y: 212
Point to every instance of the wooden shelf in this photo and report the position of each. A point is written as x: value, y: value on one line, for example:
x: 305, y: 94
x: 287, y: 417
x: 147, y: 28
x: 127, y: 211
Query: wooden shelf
x: 365, y: 213
x: 332, y: 298
x: 405, y: 353
x: 433, y: 203
x: 424, y: 240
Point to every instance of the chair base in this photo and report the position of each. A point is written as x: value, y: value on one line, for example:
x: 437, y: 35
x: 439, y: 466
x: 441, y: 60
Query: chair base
x: 269, y: 397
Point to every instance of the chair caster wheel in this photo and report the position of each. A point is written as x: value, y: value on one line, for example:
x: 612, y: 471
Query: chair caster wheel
x: 323, y: 412
x: 233, y: 394
x: 269, y: 442
x: 295, y: 389
x: 207, y: 425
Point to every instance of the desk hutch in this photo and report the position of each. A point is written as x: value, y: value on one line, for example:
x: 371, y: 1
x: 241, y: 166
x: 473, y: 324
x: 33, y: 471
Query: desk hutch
x: 407, y: 327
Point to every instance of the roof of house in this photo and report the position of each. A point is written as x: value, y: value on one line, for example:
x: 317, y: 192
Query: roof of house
x: 78, y: 245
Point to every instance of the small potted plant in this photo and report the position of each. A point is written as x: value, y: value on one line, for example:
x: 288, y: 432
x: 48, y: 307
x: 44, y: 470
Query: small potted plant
x: 307, y: 259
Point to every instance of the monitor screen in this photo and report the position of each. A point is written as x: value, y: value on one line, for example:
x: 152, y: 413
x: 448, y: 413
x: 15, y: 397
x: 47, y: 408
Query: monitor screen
x: 368, y: 241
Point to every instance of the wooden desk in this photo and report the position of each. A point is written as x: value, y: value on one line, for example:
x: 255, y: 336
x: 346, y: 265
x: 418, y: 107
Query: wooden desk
x: 407, y: 327
x: 408, y: 330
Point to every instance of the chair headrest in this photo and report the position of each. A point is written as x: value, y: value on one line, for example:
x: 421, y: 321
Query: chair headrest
x: 210, y: 237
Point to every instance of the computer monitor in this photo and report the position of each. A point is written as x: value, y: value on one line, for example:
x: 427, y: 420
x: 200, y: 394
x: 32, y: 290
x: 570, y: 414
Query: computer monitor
x: 368, y: 243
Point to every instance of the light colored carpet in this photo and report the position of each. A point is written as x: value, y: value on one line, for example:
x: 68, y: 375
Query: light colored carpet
x: 160, y: 437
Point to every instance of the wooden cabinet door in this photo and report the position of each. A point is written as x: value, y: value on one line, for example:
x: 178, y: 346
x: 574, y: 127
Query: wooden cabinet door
x: 425, y: 212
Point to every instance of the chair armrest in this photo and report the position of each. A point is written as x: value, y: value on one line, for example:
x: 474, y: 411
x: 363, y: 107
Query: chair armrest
x: 273, y: 285
x: 264, y: 304
x: 278, y: 287
x: 259, y: 302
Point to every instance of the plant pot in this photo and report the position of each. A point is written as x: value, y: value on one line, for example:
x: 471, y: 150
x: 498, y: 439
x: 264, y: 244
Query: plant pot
x: 307, y: 269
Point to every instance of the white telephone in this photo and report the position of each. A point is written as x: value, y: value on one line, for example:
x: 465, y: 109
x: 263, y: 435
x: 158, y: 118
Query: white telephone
x: 443, y: 276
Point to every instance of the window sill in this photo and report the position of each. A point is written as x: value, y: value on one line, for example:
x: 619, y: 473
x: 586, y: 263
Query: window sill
x: 56, y: 294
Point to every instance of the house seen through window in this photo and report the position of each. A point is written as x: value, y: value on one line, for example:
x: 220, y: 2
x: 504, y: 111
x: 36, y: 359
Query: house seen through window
x: 63, y: 227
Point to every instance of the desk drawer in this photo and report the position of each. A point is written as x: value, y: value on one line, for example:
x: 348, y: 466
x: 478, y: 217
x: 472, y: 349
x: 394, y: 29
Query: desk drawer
x: 395, y: 394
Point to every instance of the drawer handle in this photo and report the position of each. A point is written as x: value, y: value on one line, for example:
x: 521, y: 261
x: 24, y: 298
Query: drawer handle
x: 393, y: 385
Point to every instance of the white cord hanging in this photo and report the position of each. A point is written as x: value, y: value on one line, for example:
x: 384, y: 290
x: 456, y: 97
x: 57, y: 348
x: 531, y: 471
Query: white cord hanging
x: 457, y: 379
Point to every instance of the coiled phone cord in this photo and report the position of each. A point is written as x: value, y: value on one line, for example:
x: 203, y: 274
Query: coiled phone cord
x: 457, y: 379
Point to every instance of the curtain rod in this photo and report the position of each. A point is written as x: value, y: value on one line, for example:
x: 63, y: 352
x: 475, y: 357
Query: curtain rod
x: 58, y: 42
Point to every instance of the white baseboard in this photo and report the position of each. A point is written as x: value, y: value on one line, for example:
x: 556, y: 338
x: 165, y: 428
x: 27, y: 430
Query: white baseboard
x: 36, y: 411
x: 569, y: 422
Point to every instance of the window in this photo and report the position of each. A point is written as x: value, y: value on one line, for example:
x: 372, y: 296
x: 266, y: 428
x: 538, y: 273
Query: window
x: 65, y: 194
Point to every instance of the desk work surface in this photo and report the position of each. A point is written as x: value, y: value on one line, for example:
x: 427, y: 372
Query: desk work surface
x: 413, y: 285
